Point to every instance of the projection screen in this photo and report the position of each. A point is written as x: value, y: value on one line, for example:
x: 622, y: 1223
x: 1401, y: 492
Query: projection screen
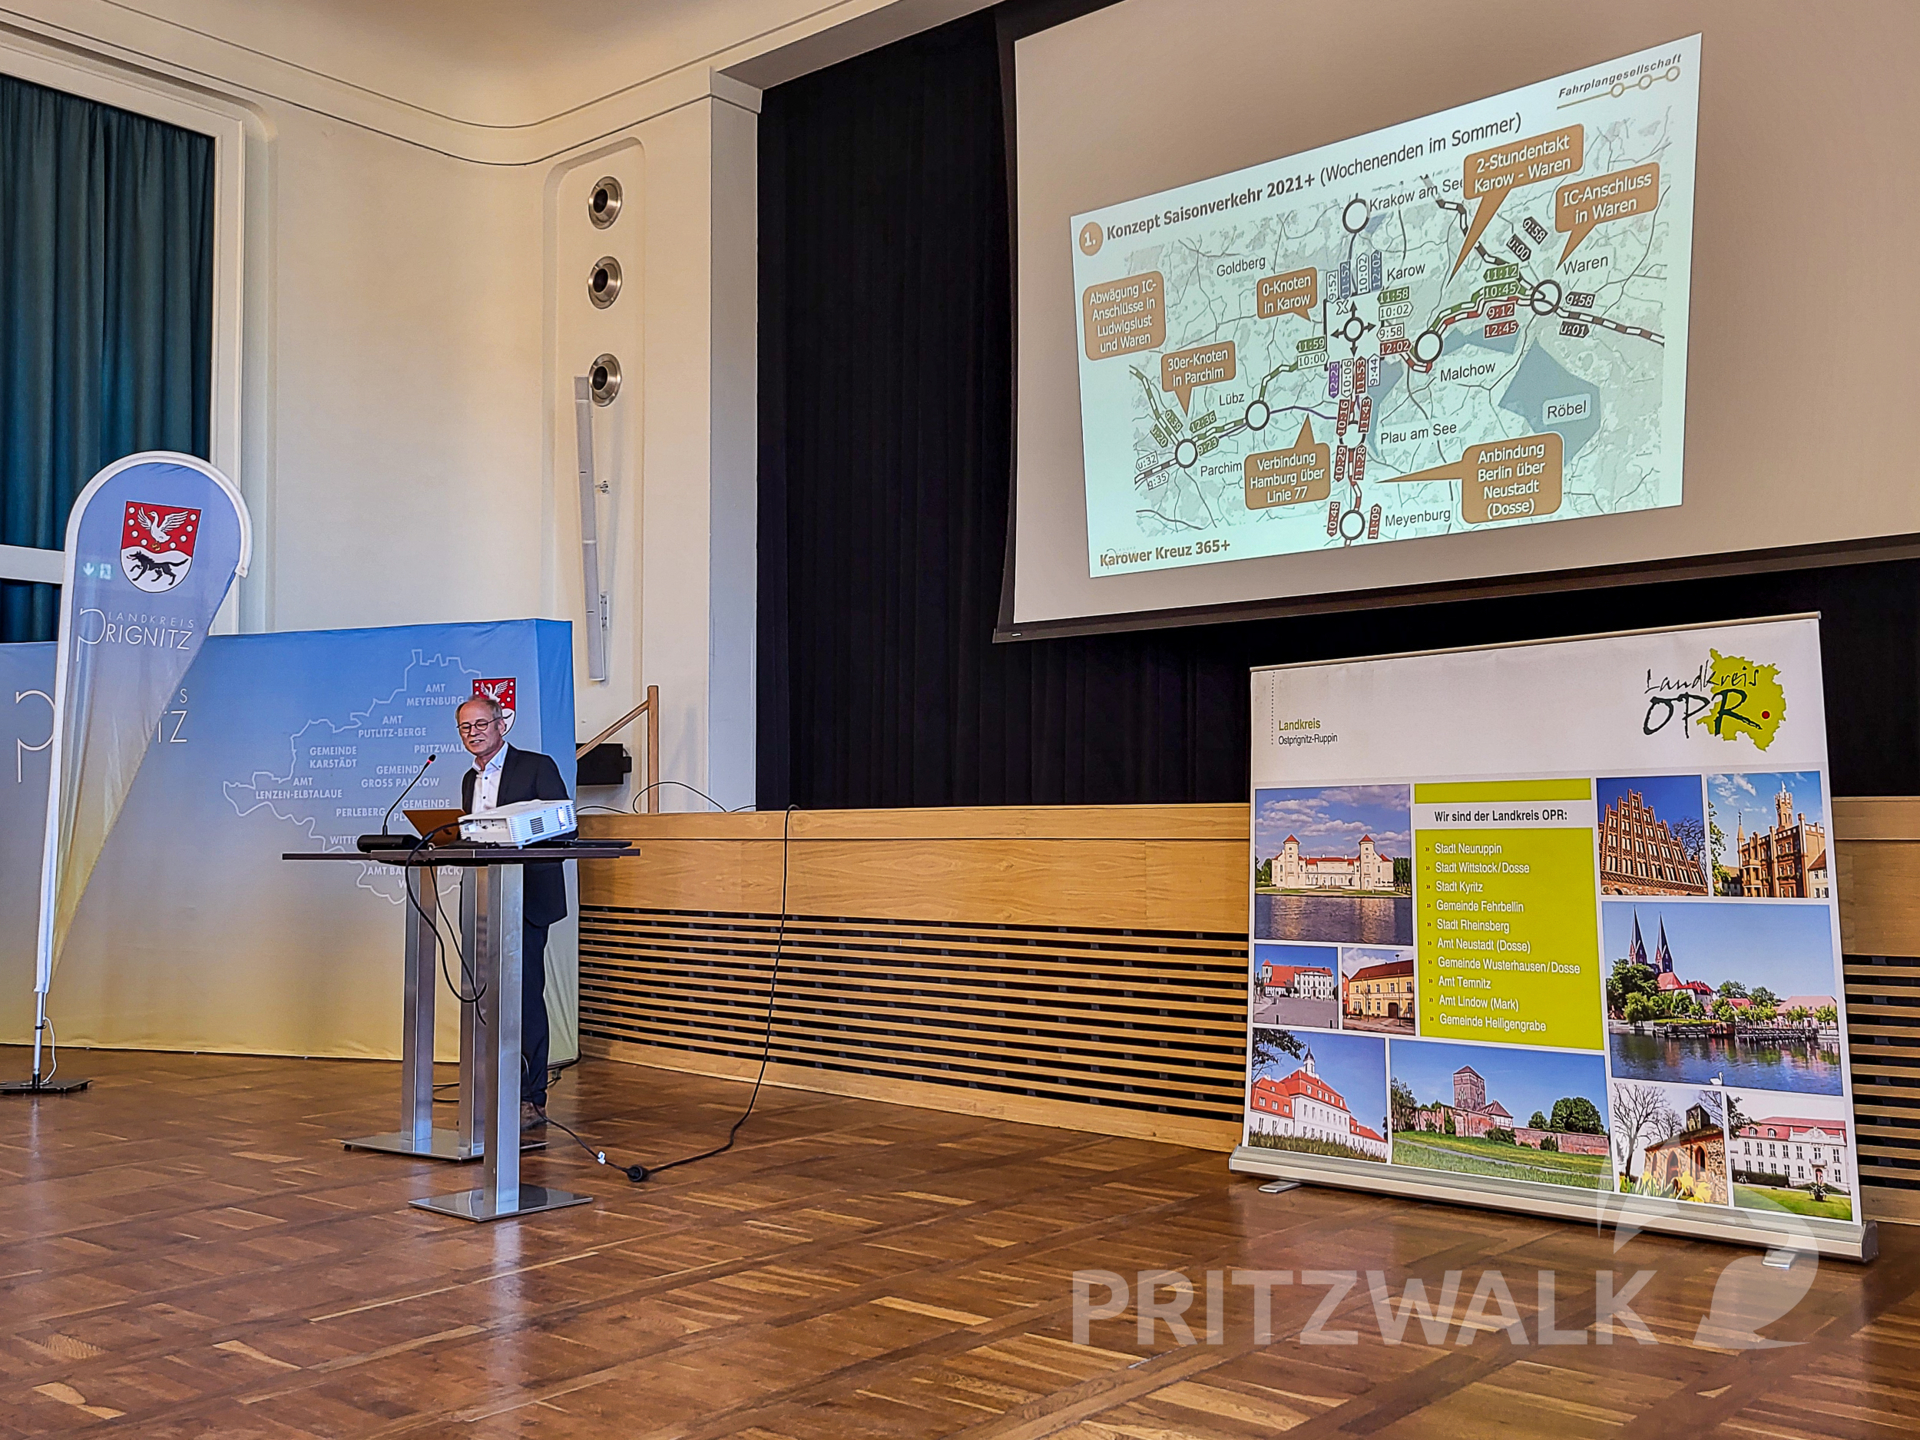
x: 1327, y: 307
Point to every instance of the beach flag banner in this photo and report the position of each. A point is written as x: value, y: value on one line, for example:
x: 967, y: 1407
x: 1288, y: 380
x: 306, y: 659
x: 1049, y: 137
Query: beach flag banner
x: 154, y: 543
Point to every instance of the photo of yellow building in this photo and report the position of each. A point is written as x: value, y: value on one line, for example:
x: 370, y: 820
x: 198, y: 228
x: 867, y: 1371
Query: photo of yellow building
x: 1377, y: 989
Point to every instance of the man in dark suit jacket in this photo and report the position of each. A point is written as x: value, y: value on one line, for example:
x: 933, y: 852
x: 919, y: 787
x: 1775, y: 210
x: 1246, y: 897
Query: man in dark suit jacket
x: 502, y: 775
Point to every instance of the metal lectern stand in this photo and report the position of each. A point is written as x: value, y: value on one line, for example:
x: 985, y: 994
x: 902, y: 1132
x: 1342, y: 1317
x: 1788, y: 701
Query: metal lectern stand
x: 490, y: 903
x: 417, y: 1134
x: 491, y: 883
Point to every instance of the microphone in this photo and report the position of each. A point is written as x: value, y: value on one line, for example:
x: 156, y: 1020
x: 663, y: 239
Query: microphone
x: 384, y: 841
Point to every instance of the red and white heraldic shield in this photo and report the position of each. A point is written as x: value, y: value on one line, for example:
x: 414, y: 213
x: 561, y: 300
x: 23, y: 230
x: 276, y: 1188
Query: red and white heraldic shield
x: 156, y: 544
x: 500, y: 691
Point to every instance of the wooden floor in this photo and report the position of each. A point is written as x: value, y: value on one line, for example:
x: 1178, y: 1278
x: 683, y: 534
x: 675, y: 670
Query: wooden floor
x: 185, y: 1251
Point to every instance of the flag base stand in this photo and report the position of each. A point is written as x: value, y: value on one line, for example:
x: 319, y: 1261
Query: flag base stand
x: 37, y: 1086
x: 42, y: 1084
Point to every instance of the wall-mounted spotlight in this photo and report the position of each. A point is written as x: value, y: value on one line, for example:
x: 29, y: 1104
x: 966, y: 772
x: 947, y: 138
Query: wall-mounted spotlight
x: 603, y: 282
x: 604, y: 375
x: 603, y: 205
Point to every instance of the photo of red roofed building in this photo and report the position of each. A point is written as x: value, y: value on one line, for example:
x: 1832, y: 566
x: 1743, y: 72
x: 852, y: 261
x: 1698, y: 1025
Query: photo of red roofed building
x: 1366, y: 869
x: 1295, y: 985
x: 1297, y: 1102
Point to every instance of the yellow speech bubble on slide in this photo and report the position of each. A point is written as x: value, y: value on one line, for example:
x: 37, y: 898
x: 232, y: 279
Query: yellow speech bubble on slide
x: 1488, y: 176
x: 1295, y: 293
x: 1580, y: 205
x: 1182, y: 371
x: 1515, y: 479
x: 1288, y: 477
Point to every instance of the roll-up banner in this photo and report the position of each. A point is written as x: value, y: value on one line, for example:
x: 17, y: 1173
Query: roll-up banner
x: 1552, y: 927
x: 154, y: 542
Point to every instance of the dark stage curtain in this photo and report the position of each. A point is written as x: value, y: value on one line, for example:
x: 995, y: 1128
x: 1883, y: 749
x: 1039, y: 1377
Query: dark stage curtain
x: 106, y: 310
x: 886, y: 434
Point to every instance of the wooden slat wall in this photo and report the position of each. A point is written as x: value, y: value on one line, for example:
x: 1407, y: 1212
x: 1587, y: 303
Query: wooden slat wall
x: 1076, y: 966
x: 1877, y: 844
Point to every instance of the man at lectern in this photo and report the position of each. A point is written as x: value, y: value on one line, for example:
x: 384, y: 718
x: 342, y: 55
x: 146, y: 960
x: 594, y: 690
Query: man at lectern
x: 502, y: 775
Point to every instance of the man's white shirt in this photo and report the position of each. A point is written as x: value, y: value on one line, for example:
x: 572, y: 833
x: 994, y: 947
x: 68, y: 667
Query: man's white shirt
x: 486, y: 783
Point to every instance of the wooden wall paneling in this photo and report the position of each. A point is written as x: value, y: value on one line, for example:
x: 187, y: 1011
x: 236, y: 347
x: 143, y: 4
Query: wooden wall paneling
x: 1076, y: 965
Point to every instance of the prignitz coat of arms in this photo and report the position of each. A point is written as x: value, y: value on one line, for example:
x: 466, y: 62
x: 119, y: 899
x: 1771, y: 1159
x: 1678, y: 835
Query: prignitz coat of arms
x: 502, y: 692
x: 156, y: 545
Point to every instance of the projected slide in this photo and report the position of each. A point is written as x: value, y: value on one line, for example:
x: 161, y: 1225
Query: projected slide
x: 1468, y: 321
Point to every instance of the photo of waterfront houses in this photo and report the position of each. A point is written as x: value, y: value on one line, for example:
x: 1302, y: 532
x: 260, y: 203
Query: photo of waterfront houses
x: 1789, y: 1152
x: 1502, y: 1112
x: 1670, y: 1141
x: 1334, y: 865
x: 1318, y: 1093
x: 1769, y: 835
x: 1653, y: 835
x: 1296, y: 985
x: 1377, y: 989
x: 1726, y: 990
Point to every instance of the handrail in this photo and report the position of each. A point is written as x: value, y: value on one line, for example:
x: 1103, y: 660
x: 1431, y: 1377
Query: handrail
x: 650, y: 707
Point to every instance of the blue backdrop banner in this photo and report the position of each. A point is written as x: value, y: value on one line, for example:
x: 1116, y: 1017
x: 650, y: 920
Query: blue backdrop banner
x: 193, y: 933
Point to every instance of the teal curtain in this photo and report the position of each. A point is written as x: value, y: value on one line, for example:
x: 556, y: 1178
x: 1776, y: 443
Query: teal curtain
x: 106, y: 310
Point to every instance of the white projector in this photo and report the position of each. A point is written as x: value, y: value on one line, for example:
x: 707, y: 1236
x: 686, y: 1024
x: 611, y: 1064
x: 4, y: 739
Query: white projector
x: 519, y: 824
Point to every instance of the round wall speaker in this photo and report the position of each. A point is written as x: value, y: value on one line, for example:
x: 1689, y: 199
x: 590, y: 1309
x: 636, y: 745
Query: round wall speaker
x: 603, y: 203
x: 604, y: 376
x: 603, y: 282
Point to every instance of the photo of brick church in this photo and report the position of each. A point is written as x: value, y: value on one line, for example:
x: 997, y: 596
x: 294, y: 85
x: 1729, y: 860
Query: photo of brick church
x: 1653, y: 835
x: 1770, y: 837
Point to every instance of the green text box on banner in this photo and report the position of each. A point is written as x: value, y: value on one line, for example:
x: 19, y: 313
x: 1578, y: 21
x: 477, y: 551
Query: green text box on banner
x: 1507, y: 937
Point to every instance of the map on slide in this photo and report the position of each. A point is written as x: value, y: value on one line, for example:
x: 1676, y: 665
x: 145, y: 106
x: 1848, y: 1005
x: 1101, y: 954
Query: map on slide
x: 1468, y: 321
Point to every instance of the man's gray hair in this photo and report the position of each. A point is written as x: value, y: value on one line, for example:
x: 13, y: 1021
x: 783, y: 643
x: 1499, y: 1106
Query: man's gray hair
x: 494, y: 707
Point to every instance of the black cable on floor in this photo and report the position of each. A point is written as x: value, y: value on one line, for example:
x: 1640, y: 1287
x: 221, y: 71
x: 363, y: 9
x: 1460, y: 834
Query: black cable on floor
x: 639, y: 1174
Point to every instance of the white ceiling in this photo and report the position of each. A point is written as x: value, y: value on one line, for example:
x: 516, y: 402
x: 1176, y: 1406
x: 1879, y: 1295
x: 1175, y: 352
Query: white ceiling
x: 490, y: 62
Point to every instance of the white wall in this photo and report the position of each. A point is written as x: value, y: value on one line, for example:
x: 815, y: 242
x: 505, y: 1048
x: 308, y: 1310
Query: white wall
x: 415, y: 249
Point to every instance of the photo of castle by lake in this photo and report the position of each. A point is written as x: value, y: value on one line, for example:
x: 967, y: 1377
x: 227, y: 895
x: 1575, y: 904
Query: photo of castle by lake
x: 1334, y: 864
x: 1742, y: 993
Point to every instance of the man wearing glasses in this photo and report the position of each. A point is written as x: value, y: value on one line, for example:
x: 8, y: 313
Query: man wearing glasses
x: 502, y: 775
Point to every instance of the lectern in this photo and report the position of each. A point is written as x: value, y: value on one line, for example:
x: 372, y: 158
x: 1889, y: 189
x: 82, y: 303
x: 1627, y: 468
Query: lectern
x: 490, y: 905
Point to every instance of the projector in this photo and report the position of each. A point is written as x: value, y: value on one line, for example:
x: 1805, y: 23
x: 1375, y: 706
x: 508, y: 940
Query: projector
x: 519, y: 824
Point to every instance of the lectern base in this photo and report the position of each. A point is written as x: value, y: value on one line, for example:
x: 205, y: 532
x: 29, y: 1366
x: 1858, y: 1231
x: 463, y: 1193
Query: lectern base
x: 445, y: 1146
x: 43, y: 1087
x: 478, y: 1204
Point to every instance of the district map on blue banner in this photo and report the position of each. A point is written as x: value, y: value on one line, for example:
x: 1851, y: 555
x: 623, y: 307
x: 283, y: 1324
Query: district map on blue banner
x: 192, y: 931
x: 1541, y: 925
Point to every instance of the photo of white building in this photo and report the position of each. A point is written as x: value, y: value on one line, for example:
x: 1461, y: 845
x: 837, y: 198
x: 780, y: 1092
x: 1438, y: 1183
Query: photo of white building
x: 1366, y: 870
x: 1302, y: 1107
